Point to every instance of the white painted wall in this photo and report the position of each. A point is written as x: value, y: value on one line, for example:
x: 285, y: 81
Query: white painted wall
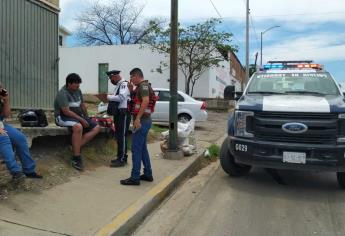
x: 64, y: 34
x: 85, y: 60
x: 219, y: 79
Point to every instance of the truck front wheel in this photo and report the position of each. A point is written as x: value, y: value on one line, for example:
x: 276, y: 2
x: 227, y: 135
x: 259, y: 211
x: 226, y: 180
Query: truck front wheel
x: 228, y: 163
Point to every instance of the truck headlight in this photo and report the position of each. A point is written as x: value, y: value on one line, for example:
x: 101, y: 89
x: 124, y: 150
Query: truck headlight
x: 241, y: 123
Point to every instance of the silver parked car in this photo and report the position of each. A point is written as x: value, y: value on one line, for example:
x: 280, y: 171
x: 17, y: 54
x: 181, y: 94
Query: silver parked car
x: 188, y: 107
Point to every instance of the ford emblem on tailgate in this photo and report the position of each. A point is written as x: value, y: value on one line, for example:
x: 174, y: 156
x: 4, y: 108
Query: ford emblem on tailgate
x: 294, y: 128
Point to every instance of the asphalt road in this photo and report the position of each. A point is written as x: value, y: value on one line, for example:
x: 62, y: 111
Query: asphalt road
x: 310, y: 204
x: 212, y: 203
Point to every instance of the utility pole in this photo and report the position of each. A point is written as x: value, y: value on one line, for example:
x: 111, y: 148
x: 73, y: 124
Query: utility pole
x: 247, y: 43
x: 173, y: 152
x: 261, y: 50
x: 262, y: 33
x: 256, y: 60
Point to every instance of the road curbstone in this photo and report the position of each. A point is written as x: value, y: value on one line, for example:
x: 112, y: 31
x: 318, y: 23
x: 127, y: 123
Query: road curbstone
x: 125, y: 222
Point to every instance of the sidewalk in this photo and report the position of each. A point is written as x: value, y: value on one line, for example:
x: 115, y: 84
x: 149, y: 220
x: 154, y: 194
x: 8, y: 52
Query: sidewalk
x: 93, y: 203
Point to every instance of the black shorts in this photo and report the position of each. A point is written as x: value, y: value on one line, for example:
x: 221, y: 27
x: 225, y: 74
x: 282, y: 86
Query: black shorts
x: 69, y: 122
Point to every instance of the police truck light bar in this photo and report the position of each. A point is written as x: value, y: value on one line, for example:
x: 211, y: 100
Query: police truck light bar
x: 292, y: 65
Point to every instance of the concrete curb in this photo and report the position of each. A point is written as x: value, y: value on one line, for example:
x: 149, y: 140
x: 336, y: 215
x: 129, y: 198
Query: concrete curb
x: 127, y: 220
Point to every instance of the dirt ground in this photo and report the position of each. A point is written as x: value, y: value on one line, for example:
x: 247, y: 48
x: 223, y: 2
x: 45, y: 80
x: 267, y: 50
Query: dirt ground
x: 52, y: 155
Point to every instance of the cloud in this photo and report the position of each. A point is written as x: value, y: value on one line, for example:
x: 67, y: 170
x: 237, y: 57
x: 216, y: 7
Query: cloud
x: 283, y: 10
x: 69, y: 11
x: 65, y: 3
x: 300, y: 13
x: 317, y: 47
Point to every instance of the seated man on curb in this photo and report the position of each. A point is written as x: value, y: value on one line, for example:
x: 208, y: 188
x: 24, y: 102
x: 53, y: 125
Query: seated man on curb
x: 70, y: 111
x: 11, y: 136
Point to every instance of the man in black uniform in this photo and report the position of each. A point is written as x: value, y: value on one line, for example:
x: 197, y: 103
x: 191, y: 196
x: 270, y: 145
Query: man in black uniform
x: 118, y: 107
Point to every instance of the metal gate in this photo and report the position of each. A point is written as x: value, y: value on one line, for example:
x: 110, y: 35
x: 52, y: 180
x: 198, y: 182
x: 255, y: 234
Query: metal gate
x: 29, y: 53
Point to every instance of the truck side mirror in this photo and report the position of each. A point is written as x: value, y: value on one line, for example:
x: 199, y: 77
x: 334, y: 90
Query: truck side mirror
x: 229, y: 92
x: 238, y: 95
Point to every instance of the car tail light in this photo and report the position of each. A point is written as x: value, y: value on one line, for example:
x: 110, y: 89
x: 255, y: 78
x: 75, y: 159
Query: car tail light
x: 203, y: 106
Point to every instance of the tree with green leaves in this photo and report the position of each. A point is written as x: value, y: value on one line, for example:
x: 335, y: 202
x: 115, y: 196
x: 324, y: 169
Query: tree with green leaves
x: 116, y: 22
x: 201, y: 46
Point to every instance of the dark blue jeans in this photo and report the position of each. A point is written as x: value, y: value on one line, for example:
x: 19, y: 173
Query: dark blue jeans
x: 18, y: 139
x: 140, y: 152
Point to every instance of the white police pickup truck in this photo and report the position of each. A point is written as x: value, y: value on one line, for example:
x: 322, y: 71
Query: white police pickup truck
x: 291, y: 115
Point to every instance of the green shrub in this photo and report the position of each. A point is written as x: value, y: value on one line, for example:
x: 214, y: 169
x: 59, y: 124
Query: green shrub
x: 158, y: 129
x: 214, y: 150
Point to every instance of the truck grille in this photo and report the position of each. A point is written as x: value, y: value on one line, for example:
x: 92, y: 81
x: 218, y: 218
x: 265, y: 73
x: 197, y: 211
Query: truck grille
x: 322, y: 127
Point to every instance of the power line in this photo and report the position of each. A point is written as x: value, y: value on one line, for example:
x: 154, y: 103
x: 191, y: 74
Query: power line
x: 244, y: 3
x: 215, y: 8
x: 254, y: 30
x: 236, y: 39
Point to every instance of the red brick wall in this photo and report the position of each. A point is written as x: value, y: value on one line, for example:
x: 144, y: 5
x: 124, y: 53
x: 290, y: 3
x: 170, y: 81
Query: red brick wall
x: 236, y: 69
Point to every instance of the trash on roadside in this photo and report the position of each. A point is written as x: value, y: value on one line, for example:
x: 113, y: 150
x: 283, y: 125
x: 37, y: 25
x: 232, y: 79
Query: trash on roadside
x: 102, y: 107
x: 206, y: 153
x: 186, y: 138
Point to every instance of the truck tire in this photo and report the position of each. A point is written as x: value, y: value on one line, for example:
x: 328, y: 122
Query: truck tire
x: 341, y: 179
x: 228, y: 163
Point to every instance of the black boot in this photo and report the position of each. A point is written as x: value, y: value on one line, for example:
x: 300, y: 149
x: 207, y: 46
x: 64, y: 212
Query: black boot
x: 33, y: 175
x: 146, y: 178
x: 77, y: 163
x: 18, y: 177
x: 118, y: 162
x: 130, y: 181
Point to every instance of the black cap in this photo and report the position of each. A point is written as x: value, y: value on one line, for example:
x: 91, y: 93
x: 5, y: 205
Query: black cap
x: 113, y: 72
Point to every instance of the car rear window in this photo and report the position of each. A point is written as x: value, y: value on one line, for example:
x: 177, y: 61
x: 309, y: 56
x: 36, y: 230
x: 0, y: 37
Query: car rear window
x: 164, y: 96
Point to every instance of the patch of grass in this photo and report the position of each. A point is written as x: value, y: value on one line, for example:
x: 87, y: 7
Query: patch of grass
x: 92, y: 113
x: 213, y: 152
x: 158, y: 129
x: 155, y: 133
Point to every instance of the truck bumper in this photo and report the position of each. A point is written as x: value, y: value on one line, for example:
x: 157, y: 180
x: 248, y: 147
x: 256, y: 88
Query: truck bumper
x: 273, y: 155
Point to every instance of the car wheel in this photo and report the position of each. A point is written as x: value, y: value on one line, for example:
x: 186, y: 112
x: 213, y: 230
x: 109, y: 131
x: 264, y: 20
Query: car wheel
x: 184, y: 118
x: 341, y: 179
x: 228, y: 163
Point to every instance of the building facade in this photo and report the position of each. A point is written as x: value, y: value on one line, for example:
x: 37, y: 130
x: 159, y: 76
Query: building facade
x: 29, y: 51
x: 63, y: 34
x: 91, y: 63
x: 238, y: 73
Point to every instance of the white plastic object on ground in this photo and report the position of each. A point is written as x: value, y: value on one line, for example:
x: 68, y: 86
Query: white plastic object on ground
x: 185, y: 132
x: 102, y: 107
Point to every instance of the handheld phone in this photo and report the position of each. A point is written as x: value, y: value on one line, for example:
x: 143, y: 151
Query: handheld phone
x: 3, y: 92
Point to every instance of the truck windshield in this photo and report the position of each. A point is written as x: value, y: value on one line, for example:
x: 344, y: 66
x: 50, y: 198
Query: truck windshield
x: 318, y: 83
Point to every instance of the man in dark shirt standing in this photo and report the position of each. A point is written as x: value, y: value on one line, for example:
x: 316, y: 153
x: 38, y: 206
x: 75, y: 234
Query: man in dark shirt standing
x: 70, y: 111
x: 142, y: 107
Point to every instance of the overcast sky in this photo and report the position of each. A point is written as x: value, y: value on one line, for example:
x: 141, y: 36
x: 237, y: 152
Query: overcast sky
x: 309, y: 29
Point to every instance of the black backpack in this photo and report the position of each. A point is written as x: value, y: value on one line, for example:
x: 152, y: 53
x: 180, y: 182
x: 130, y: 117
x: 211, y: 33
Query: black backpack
x: 33, y: 118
